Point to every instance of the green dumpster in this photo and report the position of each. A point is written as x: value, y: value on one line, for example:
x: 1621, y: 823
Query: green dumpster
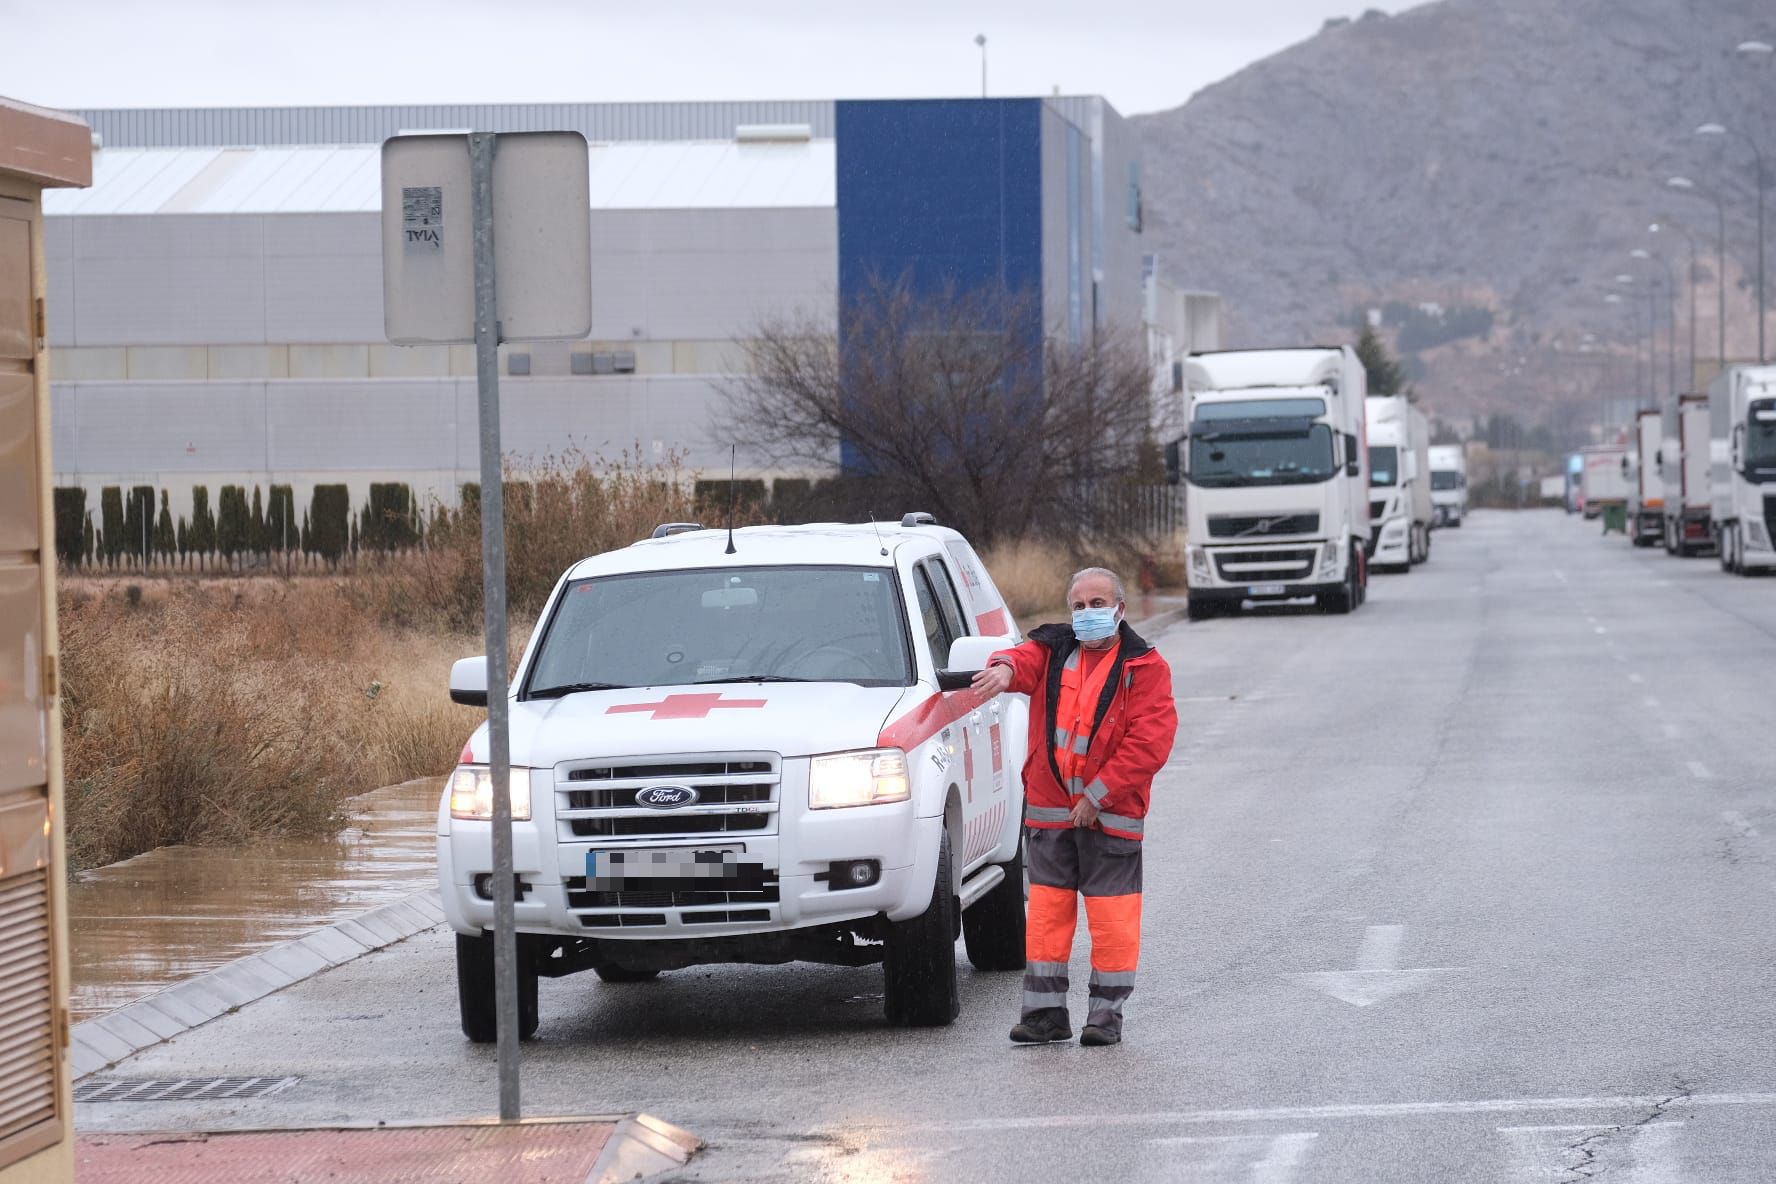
x: 1615, y: 519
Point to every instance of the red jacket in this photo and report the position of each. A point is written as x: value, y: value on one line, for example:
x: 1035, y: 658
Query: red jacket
x: 1131, y: 741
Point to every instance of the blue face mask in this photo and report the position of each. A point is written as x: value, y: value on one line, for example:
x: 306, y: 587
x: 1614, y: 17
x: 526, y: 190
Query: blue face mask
x: 1094, y: 624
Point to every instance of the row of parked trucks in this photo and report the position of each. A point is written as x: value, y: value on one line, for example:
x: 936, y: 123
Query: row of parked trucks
x: 1301, y: 481
x: 1692, y: 477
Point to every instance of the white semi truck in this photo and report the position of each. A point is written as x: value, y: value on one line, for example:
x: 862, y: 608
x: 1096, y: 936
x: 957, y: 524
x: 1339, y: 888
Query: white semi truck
x: 1742, y: 408
x: 1646, y: 481
x: 1603, y: 481
x: 1278, y: 470
x: 1449, y: 484
x: 1399, y: 483
x: 1686, y: 460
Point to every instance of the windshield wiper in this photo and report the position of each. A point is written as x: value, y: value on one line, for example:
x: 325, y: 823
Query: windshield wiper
x: 710, y: 682
x: 571, y: 688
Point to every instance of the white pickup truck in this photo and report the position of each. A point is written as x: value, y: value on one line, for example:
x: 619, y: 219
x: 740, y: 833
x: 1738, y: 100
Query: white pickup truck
x: 751, y: 753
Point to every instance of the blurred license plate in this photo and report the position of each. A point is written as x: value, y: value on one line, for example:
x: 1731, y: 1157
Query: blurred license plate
x: 673, y: 863
x: 1267, y: 589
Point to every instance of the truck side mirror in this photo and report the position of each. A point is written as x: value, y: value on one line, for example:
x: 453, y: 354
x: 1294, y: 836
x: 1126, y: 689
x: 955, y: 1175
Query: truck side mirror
x: 468, y: 681
x: 1174, y: 462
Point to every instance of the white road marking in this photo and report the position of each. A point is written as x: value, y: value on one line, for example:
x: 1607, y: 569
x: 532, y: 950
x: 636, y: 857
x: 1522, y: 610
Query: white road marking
x: 1637, y: 678
x: 1601, y: 629
x: 1629, y: 1104
x: 1651, y: 702
x: 1699, y: 771
x: 1671, y: 730
x: 1560, y: 575
x: 1249, y: 1159
x: 1375, y: 977
x: 1738, y: 822
x: 1632, y: 1154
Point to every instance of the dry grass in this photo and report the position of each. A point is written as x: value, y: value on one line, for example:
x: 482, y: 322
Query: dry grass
x: 1033, y: 575
x: 217, y: 712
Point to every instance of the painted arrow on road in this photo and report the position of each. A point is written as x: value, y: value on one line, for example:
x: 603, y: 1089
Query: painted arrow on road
x: 1377, y: 976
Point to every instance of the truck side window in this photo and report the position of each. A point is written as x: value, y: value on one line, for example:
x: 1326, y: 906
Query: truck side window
x: 947, y: 601
x: 937, y: 634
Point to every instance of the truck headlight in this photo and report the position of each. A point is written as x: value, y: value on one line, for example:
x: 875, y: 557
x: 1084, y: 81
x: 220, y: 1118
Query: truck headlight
x: 1394, y: 529
x: 471, y: 793
x: 1329, y: 559
x: 1199, y: 562
x: 1756, y: 535
x: 865, y: 778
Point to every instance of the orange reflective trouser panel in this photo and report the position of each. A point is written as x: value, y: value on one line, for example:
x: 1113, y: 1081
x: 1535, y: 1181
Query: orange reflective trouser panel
x: 1063, y: 865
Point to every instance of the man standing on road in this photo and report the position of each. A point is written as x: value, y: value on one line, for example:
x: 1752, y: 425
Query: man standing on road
x: 1102, y: 721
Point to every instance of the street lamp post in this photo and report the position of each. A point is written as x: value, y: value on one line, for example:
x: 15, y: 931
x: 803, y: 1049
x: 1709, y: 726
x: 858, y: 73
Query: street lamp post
x: 1604, y: 415
x: 980, y: 39
x: 1690, y: 375
x: 1645, y: 255
x: 1685, y: 185
x: 1757, y: 155
x: 1641, y: 379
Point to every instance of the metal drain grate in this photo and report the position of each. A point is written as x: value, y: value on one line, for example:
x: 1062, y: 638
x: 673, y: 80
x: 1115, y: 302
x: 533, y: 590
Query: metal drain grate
x: 182, y: 1089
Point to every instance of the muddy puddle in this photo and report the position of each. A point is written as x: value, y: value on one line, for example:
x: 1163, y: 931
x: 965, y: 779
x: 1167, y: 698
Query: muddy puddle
x: 169, y: 914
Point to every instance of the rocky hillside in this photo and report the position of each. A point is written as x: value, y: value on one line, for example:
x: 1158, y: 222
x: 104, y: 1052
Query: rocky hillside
x: 1479, y: 169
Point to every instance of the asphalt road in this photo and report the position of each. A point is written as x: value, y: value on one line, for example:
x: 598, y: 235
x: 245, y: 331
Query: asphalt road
x: 1476, y: 884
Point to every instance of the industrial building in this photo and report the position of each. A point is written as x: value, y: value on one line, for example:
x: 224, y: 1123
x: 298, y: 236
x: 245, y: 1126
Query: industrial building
x: 216, y: 307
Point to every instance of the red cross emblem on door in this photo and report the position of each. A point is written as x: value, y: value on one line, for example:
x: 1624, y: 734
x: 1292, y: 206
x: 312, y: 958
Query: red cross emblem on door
x: 684, y: 706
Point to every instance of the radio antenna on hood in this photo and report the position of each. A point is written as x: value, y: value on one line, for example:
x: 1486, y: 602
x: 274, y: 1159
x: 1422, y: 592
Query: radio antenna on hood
x: 733, y: 451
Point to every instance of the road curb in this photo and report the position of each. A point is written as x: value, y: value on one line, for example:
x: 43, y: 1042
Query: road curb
x: 1163, y: 620
x: 640, y: 1147
x: 104, y: 1040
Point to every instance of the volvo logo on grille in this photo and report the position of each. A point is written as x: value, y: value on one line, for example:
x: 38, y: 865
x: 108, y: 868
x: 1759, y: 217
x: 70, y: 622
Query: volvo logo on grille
x: 666, y: 797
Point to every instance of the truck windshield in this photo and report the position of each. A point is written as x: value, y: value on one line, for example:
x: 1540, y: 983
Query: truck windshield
x: 1384, y: 464
x: 1760, y: 442
x: 682, y: 628
x: 1445, y: 479
x: 1260, y: 452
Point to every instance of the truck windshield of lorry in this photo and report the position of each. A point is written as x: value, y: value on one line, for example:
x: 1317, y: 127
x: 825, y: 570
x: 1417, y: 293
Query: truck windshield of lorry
x: 1760, y: 442
x: 708, y: 626
x: 1444, y: 479
x: 1261, y: 452
x: 1384, y: 464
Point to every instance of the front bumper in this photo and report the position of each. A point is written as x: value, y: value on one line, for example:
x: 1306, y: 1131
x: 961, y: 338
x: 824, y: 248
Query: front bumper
x: 1238, y: 596
x: 549, y: 870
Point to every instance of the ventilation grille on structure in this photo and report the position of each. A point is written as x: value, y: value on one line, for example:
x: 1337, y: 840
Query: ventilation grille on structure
x: 183, y: 1089
x: 27, y: 1031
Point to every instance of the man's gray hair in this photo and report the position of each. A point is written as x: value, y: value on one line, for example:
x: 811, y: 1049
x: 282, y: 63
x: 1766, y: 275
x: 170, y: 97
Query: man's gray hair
x: 1084, y: 572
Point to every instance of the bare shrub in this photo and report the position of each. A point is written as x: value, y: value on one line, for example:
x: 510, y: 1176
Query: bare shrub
x: 956, y: 403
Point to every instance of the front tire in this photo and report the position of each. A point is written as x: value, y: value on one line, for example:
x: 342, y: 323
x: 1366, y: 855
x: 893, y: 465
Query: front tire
x: 475, y: 989
x: 1199, y: 609
x: 919, y: 969
x: 993, y: 930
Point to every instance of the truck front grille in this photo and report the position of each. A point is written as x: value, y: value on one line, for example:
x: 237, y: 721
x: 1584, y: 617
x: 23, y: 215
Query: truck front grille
x: 688, y: 894
x: 1233, y: 526
x: 736, y: 793
x: 1261, y: 567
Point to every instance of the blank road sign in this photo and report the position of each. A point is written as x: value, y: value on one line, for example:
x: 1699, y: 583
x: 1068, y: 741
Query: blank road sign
x: 542, y: 237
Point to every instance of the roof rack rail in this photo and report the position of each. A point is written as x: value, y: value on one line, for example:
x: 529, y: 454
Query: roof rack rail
x: 918, y: 518
x: 667, y: 529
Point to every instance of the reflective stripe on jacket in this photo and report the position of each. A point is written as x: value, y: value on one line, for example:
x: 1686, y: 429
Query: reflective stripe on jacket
x: 1131, y: 736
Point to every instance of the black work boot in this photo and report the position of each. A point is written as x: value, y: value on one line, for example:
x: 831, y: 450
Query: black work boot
x: 1043, y: 1027
x: 1096, y: 1037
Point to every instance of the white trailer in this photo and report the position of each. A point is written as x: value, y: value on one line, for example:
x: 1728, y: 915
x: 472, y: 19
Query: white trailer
x: 1399, y: 483
x: 1742, y: 409
x: 1278, y: 471
x: 1449, y: 484
x: 1685, y: 463
x: 1646, y: 482
x: 1604, y: 481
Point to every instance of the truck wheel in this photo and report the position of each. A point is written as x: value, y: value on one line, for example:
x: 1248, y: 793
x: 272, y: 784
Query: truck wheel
x: 993, y: 930
x: 919, y: 970
x: 622, y: 974
x: 475, y: 990
x: 1341, y: 600
x: 1198, y: 609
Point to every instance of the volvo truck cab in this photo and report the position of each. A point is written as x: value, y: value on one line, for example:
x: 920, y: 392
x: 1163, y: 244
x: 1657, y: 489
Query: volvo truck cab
x: 1742, y: 407
x: 1399, y: 483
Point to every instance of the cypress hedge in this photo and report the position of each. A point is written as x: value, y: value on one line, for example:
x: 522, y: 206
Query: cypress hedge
x: 69, y: 502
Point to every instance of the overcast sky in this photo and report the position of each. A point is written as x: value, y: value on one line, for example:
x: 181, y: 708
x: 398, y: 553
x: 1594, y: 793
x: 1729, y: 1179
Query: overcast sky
x: 1145, y: 55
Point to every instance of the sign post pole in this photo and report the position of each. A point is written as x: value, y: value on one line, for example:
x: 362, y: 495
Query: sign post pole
x: 493, y: 581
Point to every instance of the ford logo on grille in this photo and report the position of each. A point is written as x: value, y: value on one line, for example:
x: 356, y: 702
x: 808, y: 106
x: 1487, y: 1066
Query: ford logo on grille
x: 666, y: 797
